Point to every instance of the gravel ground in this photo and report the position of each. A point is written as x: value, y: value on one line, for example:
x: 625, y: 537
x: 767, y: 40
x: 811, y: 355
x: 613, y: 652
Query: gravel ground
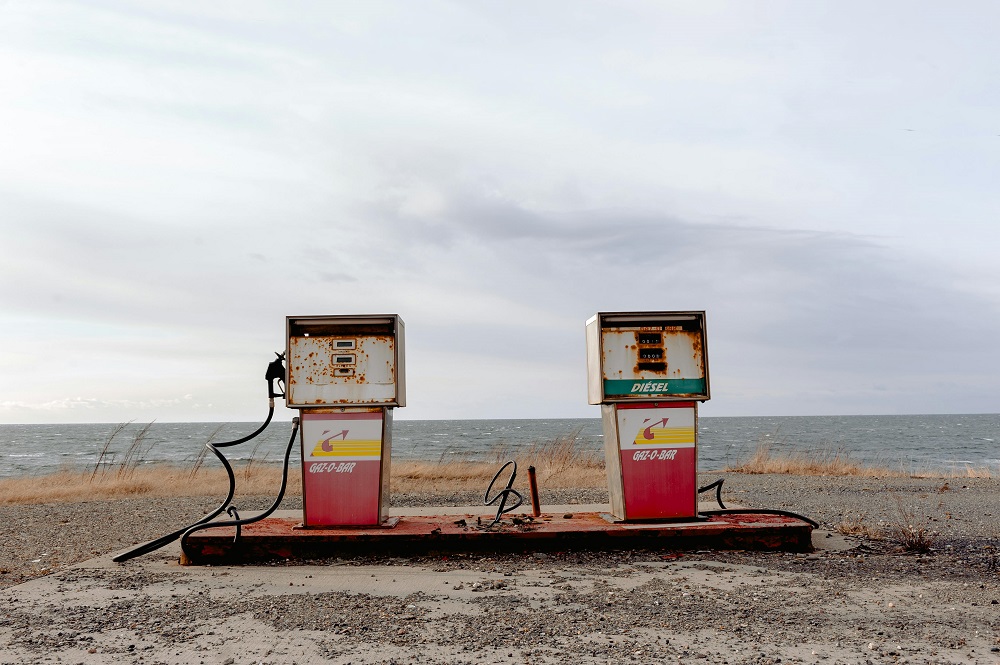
x: 868, y: 601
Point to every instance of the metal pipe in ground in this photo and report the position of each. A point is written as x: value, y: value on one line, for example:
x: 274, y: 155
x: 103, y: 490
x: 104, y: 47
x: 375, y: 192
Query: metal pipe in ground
x: 533, y: 485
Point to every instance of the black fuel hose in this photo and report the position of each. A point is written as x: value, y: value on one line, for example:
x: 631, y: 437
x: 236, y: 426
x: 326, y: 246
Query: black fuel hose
x: 759, y: 511
x: 745, y: 511
x: 255, y: 434
x: 718, y: 491
x: 238, y: 523
x: 165, y: 540
x: 503, y: 494
x: 275, y: 373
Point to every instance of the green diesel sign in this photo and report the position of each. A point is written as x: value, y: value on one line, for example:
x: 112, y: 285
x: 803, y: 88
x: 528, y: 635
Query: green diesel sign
x: 618, y: 387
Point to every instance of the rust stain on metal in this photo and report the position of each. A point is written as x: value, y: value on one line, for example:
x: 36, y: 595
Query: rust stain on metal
x: 342, y: 364
x: 696, y: 343
x: 279, y: 538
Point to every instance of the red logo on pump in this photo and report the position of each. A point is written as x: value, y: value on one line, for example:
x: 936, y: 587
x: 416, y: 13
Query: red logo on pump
x: 325, y: 443
x: 647, y: 433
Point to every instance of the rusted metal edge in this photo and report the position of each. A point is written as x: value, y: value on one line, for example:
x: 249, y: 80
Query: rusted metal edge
x: 276, y: 539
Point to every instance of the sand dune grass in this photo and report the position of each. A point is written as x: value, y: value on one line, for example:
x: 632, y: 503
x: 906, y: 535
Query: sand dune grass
x: 559, y: 463
x: 829, y: 462
x: 802, y: 463
x: 150, y: 480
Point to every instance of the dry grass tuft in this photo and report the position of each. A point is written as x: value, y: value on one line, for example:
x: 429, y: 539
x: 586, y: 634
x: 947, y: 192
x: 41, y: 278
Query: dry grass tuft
x: 835, y: 463
x: 855, y: 525
x: 559, y: 463
x: 822, y: 463
x: 134, y: 453
x: 114, y: 477
x: 967, y: 471
x: 911, y: 532
x: 149, y: 480
x: 974, y: 472
x: 203, y: 453
x: 104, y: 458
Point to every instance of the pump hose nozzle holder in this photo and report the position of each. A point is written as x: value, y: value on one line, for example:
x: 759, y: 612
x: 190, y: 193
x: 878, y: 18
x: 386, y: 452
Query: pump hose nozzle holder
x: 275, y: 372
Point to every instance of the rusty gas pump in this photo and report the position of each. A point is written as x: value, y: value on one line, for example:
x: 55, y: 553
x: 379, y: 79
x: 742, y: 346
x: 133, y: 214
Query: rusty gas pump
x: 345, y: 376
x: 649, y: 371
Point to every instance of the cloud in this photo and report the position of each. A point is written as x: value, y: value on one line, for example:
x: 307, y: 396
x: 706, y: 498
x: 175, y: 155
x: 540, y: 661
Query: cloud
x: 90, y: 404
x: 823, y: 300
x: 180, y: 178
x: 336, y: 277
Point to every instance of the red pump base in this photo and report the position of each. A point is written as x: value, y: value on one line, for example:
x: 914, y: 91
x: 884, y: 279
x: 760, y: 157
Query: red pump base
x: 278, y: 538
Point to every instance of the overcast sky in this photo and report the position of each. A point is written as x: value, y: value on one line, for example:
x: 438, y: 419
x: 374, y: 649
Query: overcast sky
x: 177, y: 177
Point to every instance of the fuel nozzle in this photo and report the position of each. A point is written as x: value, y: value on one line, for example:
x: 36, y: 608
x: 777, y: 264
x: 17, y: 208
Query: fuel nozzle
x: 276, y: 372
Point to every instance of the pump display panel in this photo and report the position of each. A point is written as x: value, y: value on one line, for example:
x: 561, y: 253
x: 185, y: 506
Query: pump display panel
x: 341, y: 360
x: 647, y: 355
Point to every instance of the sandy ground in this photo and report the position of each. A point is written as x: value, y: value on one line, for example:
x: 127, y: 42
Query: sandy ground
x: 858, y: 599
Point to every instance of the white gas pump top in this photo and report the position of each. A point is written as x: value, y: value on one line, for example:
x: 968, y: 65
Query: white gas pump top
x: 345, y: 360
x: 647, y: 356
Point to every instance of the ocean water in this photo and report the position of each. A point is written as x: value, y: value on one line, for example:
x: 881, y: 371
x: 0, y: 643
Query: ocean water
x: 913, y: 443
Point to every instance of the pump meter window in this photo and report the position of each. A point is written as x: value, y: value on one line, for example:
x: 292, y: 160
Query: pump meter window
x: 344, y: 360
x: 647, y: 355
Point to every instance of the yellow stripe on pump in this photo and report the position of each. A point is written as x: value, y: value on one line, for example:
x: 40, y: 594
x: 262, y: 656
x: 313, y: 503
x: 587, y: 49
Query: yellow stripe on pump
x: 660, y: 436
x: 347, y: 449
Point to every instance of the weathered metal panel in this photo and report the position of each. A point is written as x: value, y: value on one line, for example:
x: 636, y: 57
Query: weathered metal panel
x: 400, y: 363
x: 278, y: 538
x: 612, y: 461
x: 658, y: 456
x: 383, y: 503
x: 647, y: 355
x: 345, y: 360
x: 595, y: 392
x: 344, y: 455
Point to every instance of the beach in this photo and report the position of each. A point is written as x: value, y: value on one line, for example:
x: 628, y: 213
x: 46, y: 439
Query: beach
x: 861, y: 596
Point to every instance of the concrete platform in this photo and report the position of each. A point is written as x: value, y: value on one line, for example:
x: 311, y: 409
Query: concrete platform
x: 444, y: 530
